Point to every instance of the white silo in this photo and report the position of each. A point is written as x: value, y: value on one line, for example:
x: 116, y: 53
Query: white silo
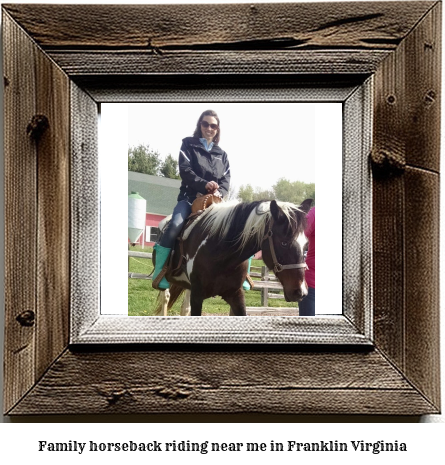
x: 136, y: 216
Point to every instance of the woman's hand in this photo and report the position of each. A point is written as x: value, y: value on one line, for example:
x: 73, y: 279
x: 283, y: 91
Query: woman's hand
x: 211, y: 187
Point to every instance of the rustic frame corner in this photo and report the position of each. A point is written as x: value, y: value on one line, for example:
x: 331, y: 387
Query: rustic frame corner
x: 335, y: 45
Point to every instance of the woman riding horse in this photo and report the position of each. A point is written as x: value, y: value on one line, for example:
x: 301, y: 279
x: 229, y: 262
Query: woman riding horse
x: 204, y: 169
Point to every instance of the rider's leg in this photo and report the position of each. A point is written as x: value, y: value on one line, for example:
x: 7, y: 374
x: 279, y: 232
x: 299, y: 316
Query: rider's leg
x: 246, y: 285
x: 171, y: 232
x: 162, y: 254
x: 163, y: 249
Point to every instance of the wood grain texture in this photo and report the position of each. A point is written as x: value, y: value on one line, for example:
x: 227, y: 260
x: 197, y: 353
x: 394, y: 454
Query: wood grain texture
x: 118, y: 62
x: 423, y: 92
x: 390, y: 110
x: 20, y: 213
x: 388, y: 268
x: 299, y: 25
x: 398, y: 42
x: 85, y: 233
x: 407, y: 114
x: 357, y: 209
x: 406, y: 206
x: 333, y: 330
x: 389, y: 144
x: 221, y: 382
x: 53, y: 228
x: 422, y: 323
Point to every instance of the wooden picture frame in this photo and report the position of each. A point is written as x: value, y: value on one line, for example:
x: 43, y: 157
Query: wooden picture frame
x: 59, y: 68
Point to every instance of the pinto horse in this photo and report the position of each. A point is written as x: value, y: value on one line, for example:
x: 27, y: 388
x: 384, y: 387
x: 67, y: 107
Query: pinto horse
x: 217, y: 245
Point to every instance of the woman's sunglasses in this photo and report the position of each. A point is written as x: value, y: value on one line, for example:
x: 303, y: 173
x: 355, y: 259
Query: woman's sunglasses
x: 205, y: 124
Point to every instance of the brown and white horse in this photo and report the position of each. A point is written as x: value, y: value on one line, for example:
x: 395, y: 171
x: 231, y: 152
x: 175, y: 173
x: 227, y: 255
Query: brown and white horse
x: 217, y: 245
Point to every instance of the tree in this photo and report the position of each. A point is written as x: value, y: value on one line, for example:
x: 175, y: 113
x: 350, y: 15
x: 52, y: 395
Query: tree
x: 294, y: 192
x: 245, y: 193
x: 249, y: 194
x: 144, y: 160
x: 263, y: 194
x: 284, y: 190
x: 169, y: 168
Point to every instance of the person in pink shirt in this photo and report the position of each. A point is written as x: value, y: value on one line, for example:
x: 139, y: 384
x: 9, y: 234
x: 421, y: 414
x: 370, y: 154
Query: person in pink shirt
x: 307, y: 305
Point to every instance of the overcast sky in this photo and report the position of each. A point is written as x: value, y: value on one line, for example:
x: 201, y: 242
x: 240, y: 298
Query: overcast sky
x: 264, y: 141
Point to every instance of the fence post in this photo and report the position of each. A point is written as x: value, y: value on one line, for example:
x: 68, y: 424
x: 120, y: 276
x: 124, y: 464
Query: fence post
x: 265, y: 289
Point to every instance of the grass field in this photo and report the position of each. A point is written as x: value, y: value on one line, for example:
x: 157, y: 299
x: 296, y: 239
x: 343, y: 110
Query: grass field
x: 142, y: 297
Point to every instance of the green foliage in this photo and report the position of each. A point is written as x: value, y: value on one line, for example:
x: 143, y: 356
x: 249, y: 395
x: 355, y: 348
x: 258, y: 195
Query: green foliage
x: 249, y: 194
x: 294, y: 192
x: 245, y: 193
x: 283, y: 189
x: 169, y: 168
x: 142, y: 159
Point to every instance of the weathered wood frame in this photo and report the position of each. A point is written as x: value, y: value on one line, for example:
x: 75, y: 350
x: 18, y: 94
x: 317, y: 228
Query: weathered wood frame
x: 79, y: 55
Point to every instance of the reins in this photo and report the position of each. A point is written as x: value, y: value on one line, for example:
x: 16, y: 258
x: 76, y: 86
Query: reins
x: 277, y: 266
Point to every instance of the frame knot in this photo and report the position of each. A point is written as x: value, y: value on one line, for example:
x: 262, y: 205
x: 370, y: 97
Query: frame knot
x: 26, y: 318
x: 387, y: 162
x: 37, y: 126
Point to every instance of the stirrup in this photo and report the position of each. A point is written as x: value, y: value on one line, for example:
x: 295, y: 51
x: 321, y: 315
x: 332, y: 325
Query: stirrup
x: 250, y: 281
x: 155, y: 282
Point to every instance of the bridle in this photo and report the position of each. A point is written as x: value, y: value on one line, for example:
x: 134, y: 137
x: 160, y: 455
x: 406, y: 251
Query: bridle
x: 277, y: 266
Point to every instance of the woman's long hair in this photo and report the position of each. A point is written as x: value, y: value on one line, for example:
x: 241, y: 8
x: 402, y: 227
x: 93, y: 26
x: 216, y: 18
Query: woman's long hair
x: 198, y: 132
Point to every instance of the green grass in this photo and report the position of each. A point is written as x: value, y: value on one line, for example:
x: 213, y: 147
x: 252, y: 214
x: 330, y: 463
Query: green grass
x: 142, y: 297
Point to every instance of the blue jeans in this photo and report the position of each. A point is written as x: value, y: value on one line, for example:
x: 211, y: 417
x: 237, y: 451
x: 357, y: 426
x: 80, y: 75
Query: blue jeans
x: 307, y: 305
x: 171, y: 232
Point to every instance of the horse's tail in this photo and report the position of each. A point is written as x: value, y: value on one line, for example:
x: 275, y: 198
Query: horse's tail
x: 174, y: 294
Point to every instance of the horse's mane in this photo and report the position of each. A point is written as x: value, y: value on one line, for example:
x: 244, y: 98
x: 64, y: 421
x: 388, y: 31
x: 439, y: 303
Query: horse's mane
x: 236, y: 223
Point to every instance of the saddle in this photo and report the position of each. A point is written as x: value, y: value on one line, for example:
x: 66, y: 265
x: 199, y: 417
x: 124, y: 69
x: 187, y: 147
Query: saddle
x: 203, y: 201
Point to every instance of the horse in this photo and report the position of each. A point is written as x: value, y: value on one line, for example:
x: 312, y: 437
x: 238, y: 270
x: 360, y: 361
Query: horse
x: 212, y: 259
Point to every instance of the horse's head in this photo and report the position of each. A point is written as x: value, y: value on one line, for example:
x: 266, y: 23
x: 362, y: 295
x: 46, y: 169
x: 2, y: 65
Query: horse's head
x: 283, y: 247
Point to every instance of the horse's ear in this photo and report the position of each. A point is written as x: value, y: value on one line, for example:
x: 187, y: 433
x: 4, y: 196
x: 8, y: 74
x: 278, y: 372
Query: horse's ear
x: 306, y: 205
x: 277, y: 213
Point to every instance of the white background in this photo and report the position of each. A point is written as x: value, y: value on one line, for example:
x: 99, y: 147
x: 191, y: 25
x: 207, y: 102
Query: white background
x: 265, y: 142
x: 19, y: 441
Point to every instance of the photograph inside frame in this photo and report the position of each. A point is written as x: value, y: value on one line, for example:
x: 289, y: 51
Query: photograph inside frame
x: 202, y: 184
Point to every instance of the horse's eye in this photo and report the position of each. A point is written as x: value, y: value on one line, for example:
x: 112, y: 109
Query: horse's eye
x: 284, y: 244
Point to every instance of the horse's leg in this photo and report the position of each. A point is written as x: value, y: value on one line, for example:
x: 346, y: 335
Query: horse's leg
x: 185, y: 307
x: 236, y: 302
x: 165, y: 298
x: 195, y: 299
